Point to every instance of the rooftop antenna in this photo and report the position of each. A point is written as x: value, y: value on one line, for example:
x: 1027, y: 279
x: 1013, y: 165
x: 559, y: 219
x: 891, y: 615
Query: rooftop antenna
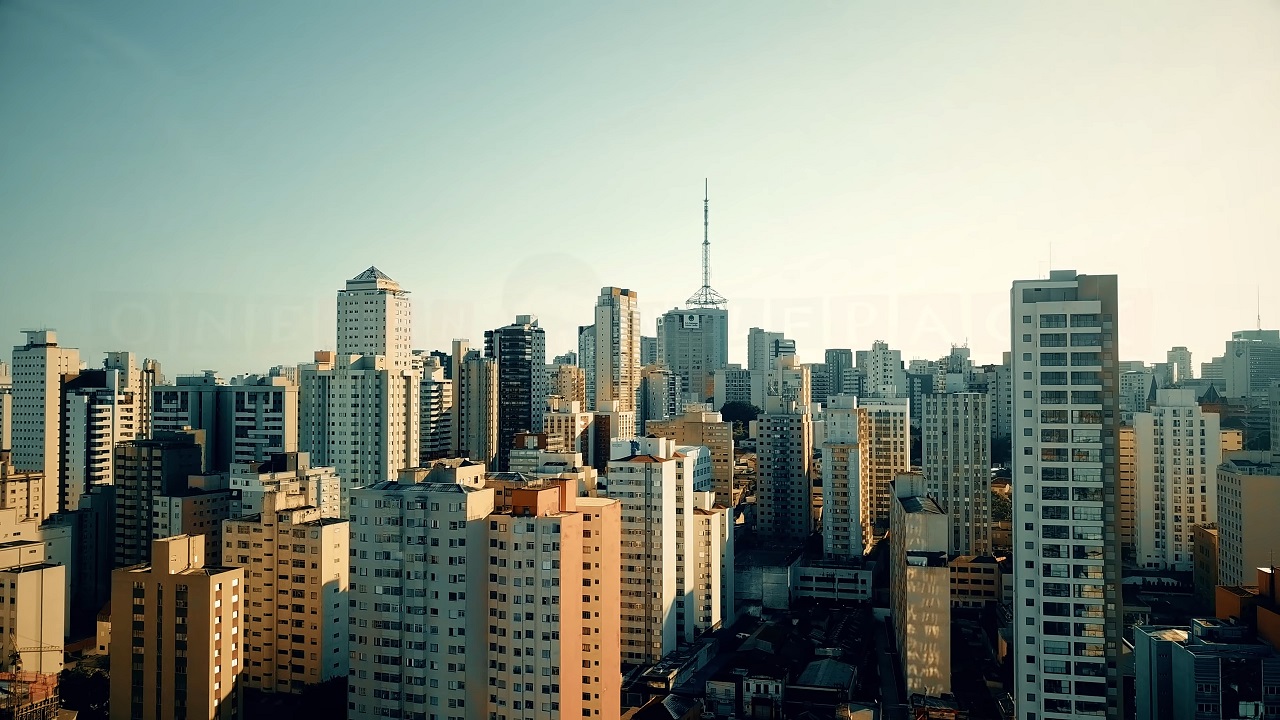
x: 706, y: 297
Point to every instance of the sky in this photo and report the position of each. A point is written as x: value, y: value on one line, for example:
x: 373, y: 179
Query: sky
x: 195, y: 181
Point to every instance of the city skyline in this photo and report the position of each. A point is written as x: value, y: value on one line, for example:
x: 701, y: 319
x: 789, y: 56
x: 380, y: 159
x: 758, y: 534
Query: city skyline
x: 875, y: 173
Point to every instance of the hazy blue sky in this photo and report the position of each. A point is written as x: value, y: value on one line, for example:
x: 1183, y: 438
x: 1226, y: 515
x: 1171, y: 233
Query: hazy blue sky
x: 194, y: 181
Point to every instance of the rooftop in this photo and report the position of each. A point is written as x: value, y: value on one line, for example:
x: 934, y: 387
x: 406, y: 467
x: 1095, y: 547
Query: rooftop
x: 827, y: 673
x: 921, y: 504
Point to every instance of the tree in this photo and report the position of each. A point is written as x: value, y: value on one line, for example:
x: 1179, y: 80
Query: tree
x: 739, y: 413
x: 86, y: 690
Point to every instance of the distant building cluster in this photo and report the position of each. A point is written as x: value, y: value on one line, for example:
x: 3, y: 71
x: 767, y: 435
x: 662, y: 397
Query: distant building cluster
x: 639, y: 528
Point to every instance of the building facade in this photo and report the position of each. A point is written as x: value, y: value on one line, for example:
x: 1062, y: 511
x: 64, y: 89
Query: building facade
x: 956, y: 453
x: 375, y: 318
x: 694, y: 343
x: 520, y: 351
x: 920, y: 587
x: 180, y: 653
x: 40, y: 369
x: 617, y: 348
x: 1177, y: 451
x: 1068, y: 619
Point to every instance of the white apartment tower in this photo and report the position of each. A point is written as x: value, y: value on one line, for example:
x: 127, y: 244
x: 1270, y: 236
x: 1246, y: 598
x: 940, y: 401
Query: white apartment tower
x: 475, y: 405
x: 435, y: 407
x: 956, y: 433
x: 375, y: 318
x: 662, y: 488
x: 360, y: 417
x: 883, y: 374
x: 1068, y: 607
x: 99, y: 410
x: 39, y: 370
x: 844, y: 460
x: 617, y: 348
x: 764, y: 348
x: 1177, y: 453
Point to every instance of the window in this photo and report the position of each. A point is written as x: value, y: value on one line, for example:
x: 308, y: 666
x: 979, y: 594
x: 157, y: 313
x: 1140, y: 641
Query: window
x: 1053, y: 321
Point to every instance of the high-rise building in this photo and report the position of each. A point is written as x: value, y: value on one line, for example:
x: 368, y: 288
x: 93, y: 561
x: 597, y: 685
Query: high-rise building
x: 459, y: 644
x: 587, y: 361
x: 568, y: 427
x: 1127, y: 454
x: 784, y: 488
x: 359, y: 416
x: 1068, y: 608
x: 295, y: 598
x: 194, y: 510
x: 1214, y: 668
x: 617, y: 348
x: 1248, y: 493
x: 99, y: 410
x: 820, y: 382
x: 839, y: 360
x: 6, y: 407
x: 669, y: 593
x: 245, y: 421
x: 882, y: 370
x: 1251, y: 362
x: 649, y: 350
x: 788, y: 383
x: 1180, y: 359
x: 764, y: 348
x: 694, y: 343
x: 568, y: 382
x: 177, y: 649
x: 920, y: 587
x: 23, y: 492
x: 435, y: 409
x: 887, y: 435
x: 33, y: 607
x: 956, y: 454
x: 375, y: 318
x: 733, y: 384
x: 288, y: 473
x: 844, y: 460
x: 1215, y: 370
x: 1273, y: 403
x: 144, y: 470
x: 703, y: 425
x: 1177, y: 452
x: 520, y: 353
x: 40, y: 369
x: 139, y: 379
x: 476, y: 405
x: 660, y: 396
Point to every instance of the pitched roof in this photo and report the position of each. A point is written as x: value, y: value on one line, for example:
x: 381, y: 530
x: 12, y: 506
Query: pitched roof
x: 372, y: 273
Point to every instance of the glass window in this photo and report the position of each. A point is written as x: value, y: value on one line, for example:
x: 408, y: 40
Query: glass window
x: 1053, y: 321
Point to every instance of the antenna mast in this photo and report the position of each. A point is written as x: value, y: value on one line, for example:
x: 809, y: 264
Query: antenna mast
x: 706, y: 297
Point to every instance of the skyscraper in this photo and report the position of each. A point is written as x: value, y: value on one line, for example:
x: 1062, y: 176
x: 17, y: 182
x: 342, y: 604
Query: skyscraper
x: 1180, y: 359
x: 375, y: 318
x: 617, y: 348
x: 844, y: 462
x: 1068, y: 608
x: 838, y: 360
x: 183, y: 652
x: 887, y: 434
x: 884, y: 374
x: 40, y: 368
x: 784, y: 489
x: 764, y: 348
x: 476, y: 404
x: 520, y: 352
x: 144, y: 470
x: 99, y: 410
x: 1177, y: 453
x: 694, y: 343
x: 956, y: 454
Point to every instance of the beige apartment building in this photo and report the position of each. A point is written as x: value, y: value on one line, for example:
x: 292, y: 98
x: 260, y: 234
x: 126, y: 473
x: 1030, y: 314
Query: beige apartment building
x: 176, y: 623
x: 33, y: 603
x: 920, y: 587
x: 888, y: 437
x: 1248, y: 534
x: 40, y: 370
x: 295, y: 563
x: 702, y: 425
x: 20, y: 491
x: 1128, y: 461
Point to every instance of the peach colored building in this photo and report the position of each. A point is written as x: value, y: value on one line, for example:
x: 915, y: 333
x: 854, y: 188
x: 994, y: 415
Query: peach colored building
x: 176, y: 623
